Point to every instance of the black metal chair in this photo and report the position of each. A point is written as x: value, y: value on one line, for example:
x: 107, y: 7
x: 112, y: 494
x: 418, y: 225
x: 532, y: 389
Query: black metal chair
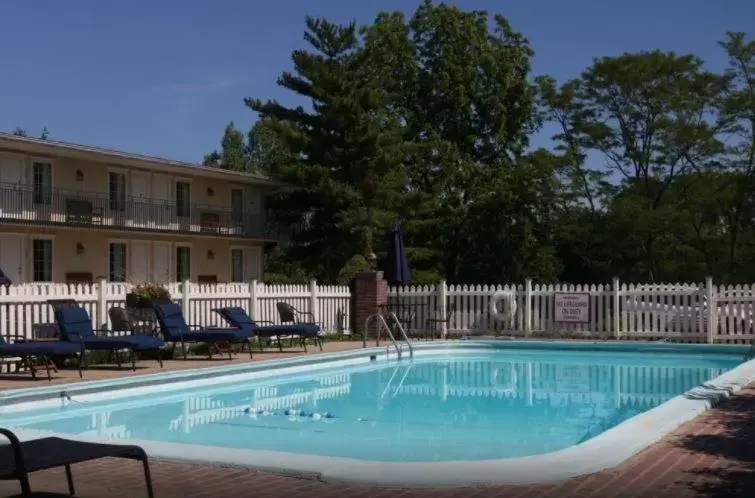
x: 120, y: 320
x: 432, y: 323
x: 289, y: 314
x: 18, y: 460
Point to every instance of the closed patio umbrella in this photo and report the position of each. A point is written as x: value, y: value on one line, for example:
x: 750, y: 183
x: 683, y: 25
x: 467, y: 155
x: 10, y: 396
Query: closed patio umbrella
x: 398, y: 264
x: 398, y: 271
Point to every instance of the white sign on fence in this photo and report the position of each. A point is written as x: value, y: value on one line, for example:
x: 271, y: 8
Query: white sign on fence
x: 572, y: 307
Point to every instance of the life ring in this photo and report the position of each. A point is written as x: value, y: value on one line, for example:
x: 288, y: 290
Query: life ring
x: 508, y: 310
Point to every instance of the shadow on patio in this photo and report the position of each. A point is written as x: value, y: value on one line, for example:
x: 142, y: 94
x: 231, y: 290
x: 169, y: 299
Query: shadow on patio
x: 731, y: 443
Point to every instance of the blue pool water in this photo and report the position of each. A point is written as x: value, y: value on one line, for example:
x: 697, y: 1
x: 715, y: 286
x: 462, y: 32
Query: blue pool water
x: 466, y: 406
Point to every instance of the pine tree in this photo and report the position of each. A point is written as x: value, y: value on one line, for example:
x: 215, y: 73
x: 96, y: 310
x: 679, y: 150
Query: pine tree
x: 348, y: 175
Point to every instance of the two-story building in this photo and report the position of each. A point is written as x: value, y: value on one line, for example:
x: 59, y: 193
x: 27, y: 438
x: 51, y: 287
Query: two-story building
x: 74, y: 213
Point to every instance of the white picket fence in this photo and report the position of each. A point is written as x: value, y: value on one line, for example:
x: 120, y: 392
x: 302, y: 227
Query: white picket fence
x: 24, y: 308
x: 681, y: 312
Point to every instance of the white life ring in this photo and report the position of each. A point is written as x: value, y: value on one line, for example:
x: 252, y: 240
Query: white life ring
x: 508, y: 310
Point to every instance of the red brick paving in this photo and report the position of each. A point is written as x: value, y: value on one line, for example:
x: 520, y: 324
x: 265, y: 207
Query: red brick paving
x: 98, y: 372
x: 713, y: 455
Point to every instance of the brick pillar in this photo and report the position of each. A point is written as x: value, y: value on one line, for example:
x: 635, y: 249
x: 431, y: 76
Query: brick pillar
x: 370, y: 293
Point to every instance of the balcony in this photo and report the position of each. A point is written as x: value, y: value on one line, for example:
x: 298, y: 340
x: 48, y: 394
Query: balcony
x: 23, y: 206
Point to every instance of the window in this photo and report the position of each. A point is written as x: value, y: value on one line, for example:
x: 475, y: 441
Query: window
x: 183, y: 263
x: 42, y: 181
x: 117, y: 187
x: 237, y: 205
x: 41, y: 260
x: 237, y: 265
x: 183, y: 199
x: 117, y: 262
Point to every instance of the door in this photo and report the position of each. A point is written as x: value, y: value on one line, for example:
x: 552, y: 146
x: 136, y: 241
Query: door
x: 139, y: 261
x: 118, y: 256
x: 12, y: 257
x: 237, y: 210
x: 253, y: 264
x: 162, y: 266
x: 161, y: 262
x: 140, y: 212
x: 183, y: 205
x: 253, y: 223
x: 163, y: 212
x: 117, y: 198
x: 11, y: 178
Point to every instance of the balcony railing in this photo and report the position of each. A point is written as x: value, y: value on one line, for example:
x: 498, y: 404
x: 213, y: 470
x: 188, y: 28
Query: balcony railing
x: 24, y: 205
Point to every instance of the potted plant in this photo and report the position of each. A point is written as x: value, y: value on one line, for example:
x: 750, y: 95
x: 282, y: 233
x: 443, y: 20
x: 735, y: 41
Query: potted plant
x: 142, y: 295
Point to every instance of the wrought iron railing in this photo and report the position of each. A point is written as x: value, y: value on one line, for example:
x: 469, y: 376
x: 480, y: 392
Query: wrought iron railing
x: 25, y: 205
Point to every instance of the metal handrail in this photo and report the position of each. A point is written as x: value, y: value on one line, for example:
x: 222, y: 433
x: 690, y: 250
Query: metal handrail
x: 403, y: 332
x: 382, y: 321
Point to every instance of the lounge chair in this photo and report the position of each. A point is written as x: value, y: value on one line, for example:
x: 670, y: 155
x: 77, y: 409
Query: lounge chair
x: 44, y: 350
x: 18, y: 460
x: 76, y: 327
x: 240, y: 319
x: 175, y: 330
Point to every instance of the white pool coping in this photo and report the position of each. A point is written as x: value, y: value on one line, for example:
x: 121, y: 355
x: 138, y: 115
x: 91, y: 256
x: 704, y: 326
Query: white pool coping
x: 606, y: 450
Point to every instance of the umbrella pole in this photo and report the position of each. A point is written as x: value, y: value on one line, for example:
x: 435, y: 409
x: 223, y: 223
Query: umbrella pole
x: 398, y: 306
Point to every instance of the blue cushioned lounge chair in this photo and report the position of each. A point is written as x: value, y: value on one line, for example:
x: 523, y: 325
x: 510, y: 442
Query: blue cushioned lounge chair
x: 43, y: 350
x: 240, y: 319
x: 76, y: 327
x: 175, y: 330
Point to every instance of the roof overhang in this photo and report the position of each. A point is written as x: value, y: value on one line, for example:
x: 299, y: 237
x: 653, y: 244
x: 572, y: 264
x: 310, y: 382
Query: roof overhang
x: 51, y: 148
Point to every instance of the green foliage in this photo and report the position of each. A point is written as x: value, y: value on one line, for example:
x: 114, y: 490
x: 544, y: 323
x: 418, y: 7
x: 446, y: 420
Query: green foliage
x: 353, y: 267
x: 349, y: 171
x: 233, y: 154
x: 21, y: 132
x: 427, y: 117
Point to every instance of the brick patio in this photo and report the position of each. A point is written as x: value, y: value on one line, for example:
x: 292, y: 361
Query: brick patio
x: 714, y: 455
x: 98, y: 372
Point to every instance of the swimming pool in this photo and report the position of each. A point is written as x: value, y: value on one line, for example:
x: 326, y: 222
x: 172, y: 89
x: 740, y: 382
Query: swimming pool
x: 489, y: 406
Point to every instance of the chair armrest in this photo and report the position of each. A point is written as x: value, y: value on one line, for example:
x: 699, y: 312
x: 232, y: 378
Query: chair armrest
x: 18, y: 454
x: 305, y: 313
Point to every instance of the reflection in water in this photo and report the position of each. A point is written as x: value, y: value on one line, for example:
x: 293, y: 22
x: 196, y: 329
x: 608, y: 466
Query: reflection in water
x: 456, y: 408
x: 201, y: 410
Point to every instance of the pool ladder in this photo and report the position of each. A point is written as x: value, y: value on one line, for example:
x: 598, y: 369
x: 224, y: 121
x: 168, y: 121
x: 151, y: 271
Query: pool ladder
x: 383, y: 323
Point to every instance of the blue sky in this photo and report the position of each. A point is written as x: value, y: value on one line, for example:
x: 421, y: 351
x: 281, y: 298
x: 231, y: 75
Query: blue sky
x: 165, y: 77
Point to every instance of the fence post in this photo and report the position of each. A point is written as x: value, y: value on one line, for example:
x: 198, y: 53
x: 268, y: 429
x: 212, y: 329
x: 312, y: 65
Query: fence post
x: 253, y: 299
x: 710, y: 296
x: 527, y: 307
x: 616, y: 327
x: 313, y: 301
x: 101, y: 302
x: 185, y: 286
x: 442, y: 308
